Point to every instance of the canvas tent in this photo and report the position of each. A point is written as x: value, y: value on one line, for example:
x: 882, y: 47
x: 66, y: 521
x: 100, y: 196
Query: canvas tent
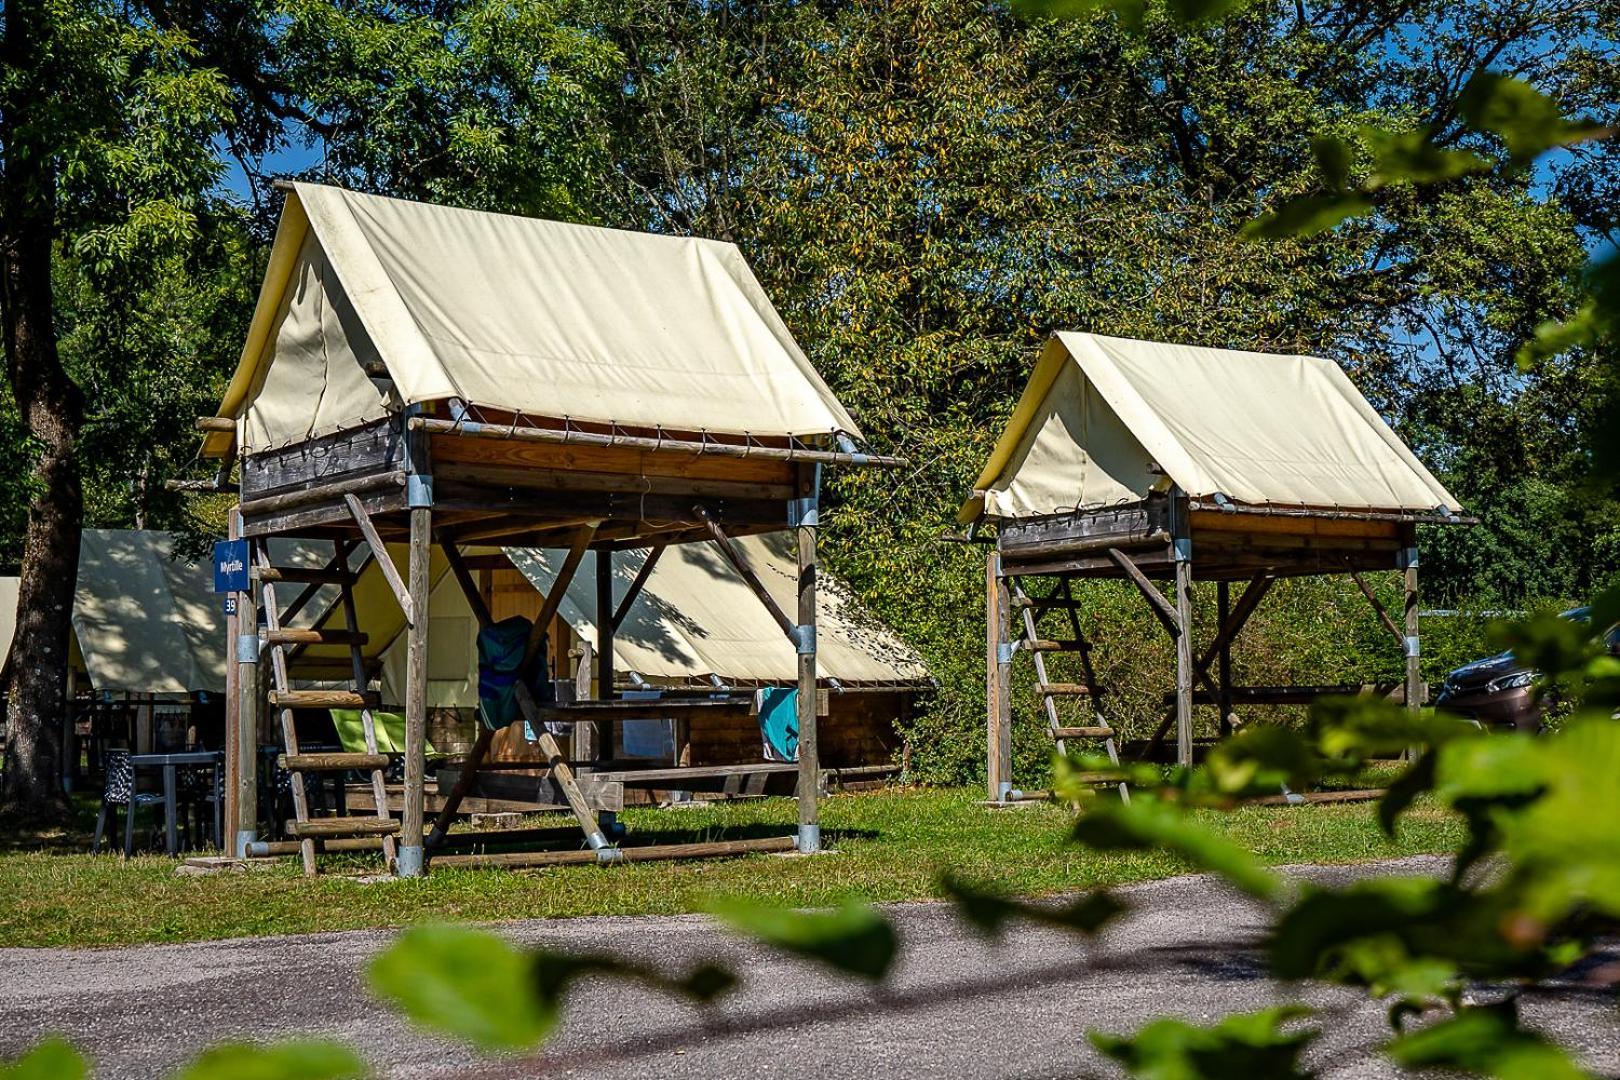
x: 1147, y: 461
x: 457, y: 380
x: 1106, y: 420
x: 541, y: 318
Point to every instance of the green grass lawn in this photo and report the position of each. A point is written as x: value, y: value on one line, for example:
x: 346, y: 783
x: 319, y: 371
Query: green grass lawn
x: 890, y: 845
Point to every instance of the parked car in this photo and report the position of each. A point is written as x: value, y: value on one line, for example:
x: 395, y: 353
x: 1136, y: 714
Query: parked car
x: 1499, y: 691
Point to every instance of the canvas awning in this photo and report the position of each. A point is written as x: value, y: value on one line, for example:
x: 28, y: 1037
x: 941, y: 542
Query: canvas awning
x: 1108, y: 420
x: 694, y: 618
x: 146, y: 622
x: 542, y: 318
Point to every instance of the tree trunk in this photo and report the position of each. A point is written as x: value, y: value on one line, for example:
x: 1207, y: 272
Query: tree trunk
x: 51, y: 408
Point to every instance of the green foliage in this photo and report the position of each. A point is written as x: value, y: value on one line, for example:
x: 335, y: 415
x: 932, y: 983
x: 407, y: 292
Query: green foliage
x: 467, y: 983
x: 1263, y: 1045
x: 292, y: 1060
x: 1487, y: 1041
x: 1147, y: 823
x: 989, y: 912
x: 51, y: 1059
x: 852, y: 938
x: 473, y: 985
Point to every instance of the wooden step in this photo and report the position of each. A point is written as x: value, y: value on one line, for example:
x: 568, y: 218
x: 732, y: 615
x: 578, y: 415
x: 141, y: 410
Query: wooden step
x: 1056, y: 603
x: 343, y: 826
x: 324, y: 699
x: 311, y: 636
x: 1083, y: 733
x: 304, y: 575
x: 1050, y: 645
x: 331, y: 762
x: 1062, y: 689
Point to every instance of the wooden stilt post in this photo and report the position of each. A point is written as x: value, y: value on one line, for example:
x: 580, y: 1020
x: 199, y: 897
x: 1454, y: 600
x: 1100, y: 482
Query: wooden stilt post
x: 1223, y: 602
x: 604, y: 645
x: 1414, y: 650
x: 409, y: 861
x: 1185, y: 670
x: 245, y: 747
x: 232, y: 716
x: 805, y: 516
x: 998, y: 671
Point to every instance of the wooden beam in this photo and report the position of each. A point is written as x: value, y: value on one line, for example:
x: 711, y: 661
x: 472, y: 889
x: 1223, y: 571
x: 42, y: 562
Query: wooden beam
x: 343, y: 489
x: 1168, y: 615
x: 1383, y: 616
x: 1184, y: 662
x: 480, y: 748
x: 554, y: 598
x: 806, y: 645
x: 636, y: 585
x: 1223, y: 680
x: 654, y: 444
x: 1411, y: 642
x: 402, y: 592
x: 216, y: 423
x: 411, y: 855
x: 998, y: 671
x: 704, y: 850
x: 746, y: 572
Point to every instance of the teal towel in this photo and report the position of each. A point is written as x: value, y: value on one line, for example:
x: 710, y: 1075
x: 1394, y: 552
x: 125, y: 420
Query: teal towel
x: 779, y: 722
x: 500, y: 654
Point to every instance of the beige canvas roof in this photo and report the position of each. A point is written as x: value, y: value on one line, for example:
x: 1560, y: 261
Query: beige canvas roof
x: 539, y: 317
x: 1107, y: 420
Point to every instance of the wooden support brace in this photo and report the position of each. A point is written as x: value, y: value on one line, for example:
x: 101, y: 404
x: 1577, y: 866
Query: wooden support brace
x: 746, y: 572
x: 402, y: 592
x: 1167, y: 612
x: 1383, y: 616
x: 636, y: 585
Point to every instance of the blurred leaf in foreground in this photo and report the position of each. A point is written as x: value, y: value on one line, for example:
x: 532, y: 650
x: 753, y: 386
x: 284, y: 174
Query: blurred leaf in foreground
x: 1147, y: 823
x: 1487, y: 1041
x: 990, y: 912
x: 470, y: 984
x: 1529, y: 122
x: 1253, y: 1046
x: 298, y: 1060
x: 50, y: 1059
x: 853, y: 938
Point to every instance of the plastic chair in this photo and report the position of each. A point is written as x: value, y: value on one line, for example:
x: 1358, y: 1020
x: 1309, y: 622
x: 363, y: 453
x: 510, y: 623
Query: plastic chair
x: 119, y: 790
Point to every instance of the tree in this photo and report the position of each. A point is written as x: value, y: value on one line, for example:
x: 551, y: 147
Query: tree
x: 104, y: 131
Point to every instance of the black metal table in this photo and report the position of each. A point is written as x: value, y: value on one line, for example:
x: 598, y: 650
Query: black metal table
x: 171, y: 764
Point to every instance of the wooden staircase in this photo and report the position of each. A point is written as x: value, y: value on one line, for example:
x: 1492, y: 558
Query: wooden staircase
x: 1051, y: 692
x: 279, y: 640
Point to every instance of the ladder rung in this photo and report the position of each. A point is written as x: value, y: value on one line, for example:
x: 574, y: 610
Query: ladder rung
x: 1096, y: 778
x: 1083, y: 733
x: 314, y: 575
x: 1063, y: 689
x: 343, y: 826
x: 334, y: 762
x: 1057, y: 645
x: 1055, y: 602
x: 324, y: 699
x: 311, y: 636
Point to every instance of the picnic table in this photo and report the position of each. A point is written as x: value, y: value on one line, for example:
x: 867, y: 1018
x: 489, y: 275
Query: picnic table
x: 171, y: 764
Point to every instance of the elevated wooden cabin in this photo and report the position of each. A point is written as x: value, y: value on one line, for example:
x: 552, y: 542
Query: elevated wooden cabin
x: 431, y: 380
x: 1151, y: 462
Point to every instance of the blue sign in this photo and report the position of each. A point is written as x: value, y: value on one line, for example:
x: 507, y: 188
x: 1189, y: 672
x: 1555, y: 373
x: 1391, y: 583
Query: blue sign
x: 231, y: 566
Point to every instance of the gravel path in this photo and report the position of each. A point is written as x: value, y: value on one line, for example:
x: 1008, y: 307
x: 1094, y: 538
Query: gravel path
x: 954, y: 1008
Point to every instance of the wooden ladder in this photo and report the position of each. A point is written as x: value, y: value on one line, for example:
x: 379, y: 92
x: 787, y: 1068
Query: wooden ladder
x: 278, y: 639
x: 1052, y: 692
